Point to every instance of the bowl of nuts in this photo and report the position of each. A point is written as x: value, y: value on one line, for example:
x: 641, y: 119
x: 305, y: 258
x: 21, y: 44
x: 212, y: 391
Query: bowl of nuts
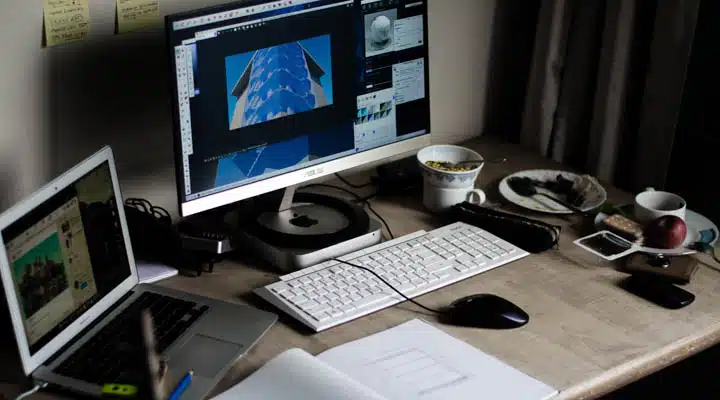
x: 438, y: 165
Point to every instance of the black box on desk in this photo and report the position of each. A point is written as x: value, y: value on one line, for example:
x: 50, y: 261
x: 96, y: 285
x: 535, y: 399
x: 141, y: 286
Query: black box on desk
x: 399, y: 177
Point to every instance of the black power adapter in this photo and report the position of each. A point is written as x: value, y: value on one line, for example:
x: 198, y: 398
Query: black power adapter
x: 399, y: 177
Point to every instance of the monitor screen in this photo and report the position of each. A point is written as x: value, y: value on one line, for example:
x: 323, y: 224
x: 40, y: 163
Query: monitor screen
x: 66, y: 255
x: 264, y: 88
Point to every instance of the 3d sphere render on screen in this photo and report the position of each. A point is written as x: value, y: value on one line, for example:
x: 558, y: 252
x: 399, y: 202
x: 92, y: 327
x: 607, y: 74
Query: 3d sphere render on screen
x: 380, y: 29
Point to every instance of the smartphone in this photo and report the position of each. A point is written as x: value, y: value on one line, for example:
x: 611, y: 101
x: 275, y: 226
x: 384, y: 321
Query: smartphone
x: 658, y: 291
x: 607, y: 245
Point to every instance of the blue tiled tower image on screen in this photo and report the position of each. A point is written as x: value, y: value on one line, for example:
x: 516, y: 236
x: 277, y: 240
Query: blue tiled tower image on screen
x: 278, y: 81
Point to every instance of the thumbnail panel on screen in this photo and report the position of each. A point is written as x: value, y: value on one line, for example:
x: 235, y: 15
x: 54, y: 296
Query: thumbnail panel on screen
x: 279, y: 81
x: 379, y: 32
x: 40, y: 275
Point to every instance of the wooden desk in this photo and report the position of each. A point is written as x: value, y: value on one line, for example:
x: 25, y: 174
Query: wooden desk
x: 586, y: 337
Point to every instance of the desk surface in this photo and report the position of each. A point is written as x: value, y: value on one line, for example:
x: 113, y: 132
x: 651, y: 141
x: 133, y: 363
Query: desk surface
x: 586, y: 336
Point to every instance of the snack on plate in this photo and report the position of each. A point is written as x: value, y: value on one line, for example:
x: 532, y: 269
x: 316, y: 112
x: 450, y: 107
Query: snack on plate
x: 625, y: 227
x: 582, y: 191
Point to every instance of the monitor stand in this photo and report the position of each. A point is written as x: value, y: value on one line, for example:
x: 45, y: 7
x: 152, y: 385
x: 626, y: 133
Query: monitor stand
x: 297, y: 230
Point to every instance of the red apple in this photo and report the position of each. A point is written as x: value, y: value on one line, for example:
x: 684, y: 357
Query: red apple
x: 666, y: 232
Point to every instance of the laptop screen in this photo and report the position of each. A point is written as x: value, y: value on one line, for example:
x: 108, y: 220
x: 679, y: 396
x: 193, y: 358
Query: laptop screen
x: 66, y: 255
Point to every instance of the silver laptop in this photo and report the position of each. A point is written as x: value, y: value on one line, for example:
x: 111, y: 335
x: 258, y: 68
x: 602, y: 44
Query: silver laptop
x: 70, y: 280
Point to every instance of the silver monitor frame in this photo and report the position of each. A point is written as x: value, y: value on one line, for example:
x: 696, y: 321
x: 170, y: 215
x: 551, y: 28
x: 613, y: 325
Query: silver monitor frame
x: 303, y: 175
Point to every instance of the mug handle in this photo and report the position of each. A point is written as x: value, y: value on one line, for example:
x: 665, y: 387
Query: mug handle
x: 476, y: 196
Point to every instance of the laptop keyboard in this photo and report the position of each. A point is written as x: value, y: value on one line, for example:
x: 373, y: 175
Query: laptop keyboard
x: 115, y: 355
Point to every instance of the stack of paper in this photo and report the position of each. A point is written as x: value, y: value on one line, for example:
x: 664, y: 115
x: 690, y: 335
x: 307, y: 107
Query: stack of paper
x: 411, y: 361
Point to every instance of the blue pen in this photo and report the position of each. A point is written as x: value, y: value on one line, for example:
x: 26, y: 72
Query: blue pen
x: 181, y: 386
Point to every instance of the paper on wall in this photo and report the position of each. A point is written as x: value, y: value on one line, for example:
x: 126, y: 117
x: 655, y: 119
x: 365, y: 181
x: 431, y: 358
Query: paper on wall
x: 136, y: 14
x: 66, y: 21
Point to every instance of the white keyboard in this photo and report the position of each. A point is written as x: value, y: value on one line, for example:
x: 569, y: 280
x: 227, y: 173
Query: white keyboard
x: 331, y: 293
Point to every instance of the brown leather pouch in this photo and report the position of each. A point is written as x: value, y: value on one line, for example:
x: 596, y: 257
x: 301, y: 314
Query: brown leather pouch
x: 676, y: 270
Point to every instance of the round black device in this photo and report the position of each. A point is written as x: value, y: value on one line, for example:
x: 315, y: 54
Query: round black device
x: 315, y: 221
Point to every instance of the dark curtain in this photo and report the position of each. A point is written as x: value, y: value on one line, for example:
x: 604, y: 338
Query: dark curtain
x: 606, y: 85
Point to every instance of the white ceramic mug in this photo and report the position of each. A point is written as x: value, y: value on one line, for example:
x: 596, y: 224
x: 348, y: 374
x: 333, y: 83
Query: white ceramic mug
x: 651, y: 205
x: 440, y: 199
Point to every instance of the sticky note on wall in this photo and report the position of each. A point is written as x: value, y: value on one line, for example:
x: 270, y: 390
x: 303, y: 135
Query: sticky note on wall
x: 136, y: 14
x: 65, y: 21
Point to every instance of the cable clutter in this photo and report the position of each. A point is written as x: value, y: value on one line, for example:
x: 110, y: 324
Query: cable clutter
x: 155, y: 239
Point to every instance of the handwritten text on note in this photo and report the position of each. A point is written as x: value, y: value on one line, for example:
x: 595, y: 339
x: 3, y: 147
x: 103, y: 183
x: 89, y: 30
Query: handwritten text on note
x: 65, y: 21
x: 135, y: 14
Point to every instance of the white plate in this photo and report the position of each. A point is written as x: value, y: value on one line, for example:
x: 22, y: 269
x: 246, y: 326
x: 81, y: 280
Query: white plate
x: 541, y: 203
x: 695, y: 222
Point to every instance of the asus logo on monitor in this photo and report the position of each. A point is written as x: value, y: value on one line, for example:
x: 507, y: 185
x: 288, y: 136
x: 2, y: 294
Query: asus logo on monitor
x: 314, y: 172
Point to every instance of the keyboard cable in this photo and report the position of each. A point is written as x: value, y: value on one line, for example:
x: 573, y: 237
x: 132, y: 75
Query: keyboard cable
x: 433, y: 310
x: 32, y: 391
x: 359, y: 199
x: 352, y: 185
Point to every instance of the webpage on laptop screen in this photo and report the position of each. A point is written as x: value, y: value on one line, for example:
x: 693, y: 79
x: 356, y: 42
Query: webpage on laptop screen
x: 65, y: 255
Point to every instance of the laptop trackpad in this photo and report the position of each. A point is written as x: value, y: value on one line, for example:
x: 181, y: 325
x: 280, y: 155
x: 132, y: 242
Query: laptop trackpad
x: 206, y: 356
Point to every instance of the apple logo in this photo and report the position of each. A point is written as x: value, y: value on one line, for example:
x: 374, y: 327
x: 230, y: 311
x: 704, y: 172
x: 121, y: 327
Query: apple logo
x: 303, y: 221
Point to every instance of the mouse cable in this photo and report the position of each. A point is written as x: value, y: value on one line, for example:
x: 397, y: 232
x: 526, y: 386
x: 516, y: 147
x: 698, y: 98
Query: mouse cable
x: 352, y: 185
x: 32, y: 391
x: 433, y: 310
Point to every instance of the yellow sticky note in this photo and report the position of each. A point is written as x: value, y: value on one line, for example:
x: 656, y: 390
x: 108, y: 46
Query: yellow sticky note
x: 135, y: 14
x: 66, y: 21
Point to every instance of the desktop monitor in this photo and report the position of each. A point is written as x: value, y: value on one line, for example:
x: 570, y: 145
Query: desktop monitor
x: 269, y: 95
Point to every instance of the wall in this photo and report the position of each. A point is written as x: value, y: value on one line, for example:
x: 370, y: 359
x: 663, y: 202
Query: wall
x: 59, y: 105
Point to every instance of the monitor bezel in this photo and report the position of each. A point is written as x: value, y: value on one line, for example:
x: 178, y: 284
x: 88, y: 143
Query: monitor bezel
x: 294, y: 178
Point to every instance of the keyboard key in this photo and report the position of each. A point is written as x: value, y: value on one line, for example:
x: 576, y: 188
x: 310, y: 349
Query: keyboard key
x: 371, y: 300
x: 364, y: 260
x: 299, y: 300
x: 420, y: 283
x: 318, y: 309
x: 438, y: 266
x: 322, y: 316
x: 442, y: 274
x: 279, y: 289
x: 461, y: 268
x: 393, y: 258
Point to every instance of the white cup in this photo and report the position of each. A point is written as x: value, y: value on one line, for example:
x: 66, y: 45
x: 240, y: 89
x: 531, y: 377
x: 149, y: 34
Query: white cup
x: 440, y: 199
x: 651, y: 205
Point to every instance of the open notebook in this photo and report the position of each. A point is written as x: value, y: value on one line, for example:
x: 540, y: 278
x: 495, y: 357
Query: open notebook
x: 411, y: 361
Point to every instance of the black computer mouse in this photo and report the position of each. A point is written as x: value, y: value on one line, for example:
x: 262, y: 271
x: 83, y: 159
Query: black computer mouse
x: 486, y: 311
